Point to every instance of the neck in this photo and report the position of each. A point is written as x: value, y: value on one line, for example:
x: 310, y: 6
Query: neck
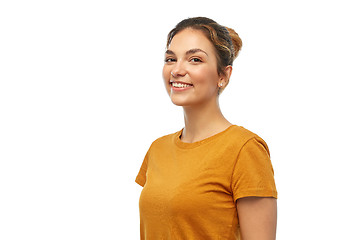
x: 203, y: 121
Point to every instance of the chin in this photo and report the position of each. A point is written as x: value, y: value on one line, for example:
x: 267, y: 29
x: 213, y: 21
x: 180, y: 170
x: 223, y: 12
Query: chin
x: 179, y: 102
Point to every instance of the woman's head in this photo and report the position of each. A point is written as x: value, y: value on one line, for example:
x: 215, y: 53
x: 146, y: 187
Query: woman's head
x: 198, y: 60
x: 225, y: 40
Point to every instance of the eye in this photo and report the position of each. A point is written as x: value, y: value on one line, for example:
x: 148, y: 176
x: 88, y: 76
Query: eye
x: 169, y: 59
x: 195, y: 59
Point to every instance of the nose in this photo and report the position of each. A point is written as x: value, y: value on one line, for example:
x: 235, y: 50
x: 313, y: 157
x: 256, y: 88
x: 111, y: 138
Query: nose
x: 178, y: 69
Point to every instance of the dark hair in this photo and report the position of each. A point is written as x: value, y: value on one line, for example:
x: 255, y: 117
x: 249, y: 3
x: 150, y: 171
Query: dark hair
x: 225, y: 40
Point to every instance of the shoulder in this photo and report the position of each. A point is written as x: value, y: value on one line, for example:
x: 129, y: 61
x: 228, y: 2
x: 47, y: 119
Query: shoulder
x: 241, y: 132
x: 240, y: 136
x: 165, y: 139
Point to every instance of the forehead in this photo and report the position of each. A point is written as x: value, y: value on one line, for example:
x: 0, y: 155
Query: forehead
x: 191, y: 39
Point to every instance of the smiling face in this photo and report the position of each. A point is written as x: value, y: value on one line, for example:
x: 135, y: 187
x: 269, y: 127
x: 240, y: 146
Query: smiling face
x: 190, y: 70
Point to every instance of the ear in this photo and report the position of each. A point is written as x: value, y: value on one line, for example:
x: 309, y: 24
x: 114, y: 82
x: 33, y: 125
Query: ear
x: 225, y: 77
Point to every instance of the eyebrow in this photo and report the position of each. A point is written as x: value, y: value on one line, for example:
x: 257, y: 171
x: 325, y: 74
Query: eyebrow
x: 191, y: 51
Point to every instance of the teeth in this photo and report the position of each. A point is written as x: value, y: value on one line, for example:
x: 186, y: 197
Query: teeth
x: 180, y: 85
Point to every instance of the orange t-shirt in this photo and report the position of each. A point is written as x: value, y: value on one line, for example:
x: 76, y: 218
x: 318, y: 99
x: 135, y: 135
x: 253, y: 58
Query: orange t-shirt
x: 190, y: 189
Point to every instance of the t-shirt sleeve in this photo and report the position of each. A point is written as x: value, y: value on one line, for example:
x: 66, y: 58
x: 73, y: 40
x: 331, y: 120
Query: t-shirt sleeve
x: 253, y: 174
x: 141, y: 177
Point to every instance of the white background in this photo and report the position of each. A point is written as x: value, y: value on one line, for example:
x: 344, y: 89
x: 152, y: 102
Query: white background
x: 82, y: 98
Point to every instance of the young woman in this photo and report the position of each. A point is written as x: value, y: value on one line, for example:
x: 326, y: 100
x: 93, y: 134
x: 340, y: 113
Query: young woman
x: 212, y: 179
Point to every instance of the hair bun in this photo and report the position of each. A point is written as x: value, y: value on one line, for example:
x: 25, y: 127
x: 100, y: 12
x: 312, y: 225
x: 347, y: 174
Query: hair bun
x: 236, y: 41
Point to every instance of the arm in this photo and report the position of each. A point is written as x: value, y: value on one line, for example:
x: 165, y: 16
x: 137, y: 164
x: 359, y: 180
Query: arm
x: 257, y: 218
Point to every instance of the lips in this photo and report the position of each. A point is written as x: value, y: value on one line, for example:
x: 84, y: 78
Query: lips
x: 179, y: 84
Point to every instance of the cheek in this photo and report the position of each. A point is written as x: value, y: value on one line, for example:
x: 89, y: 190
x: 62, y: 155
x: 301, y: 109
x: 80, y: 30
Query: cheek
x: 206, y: 75
x: 166, y: 77
x: 166, y: 72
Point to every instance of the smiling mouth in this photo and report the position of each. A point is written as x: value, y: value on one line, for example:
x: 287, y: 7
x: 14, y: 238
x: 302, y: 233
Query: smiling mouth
x: 180, y: 85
